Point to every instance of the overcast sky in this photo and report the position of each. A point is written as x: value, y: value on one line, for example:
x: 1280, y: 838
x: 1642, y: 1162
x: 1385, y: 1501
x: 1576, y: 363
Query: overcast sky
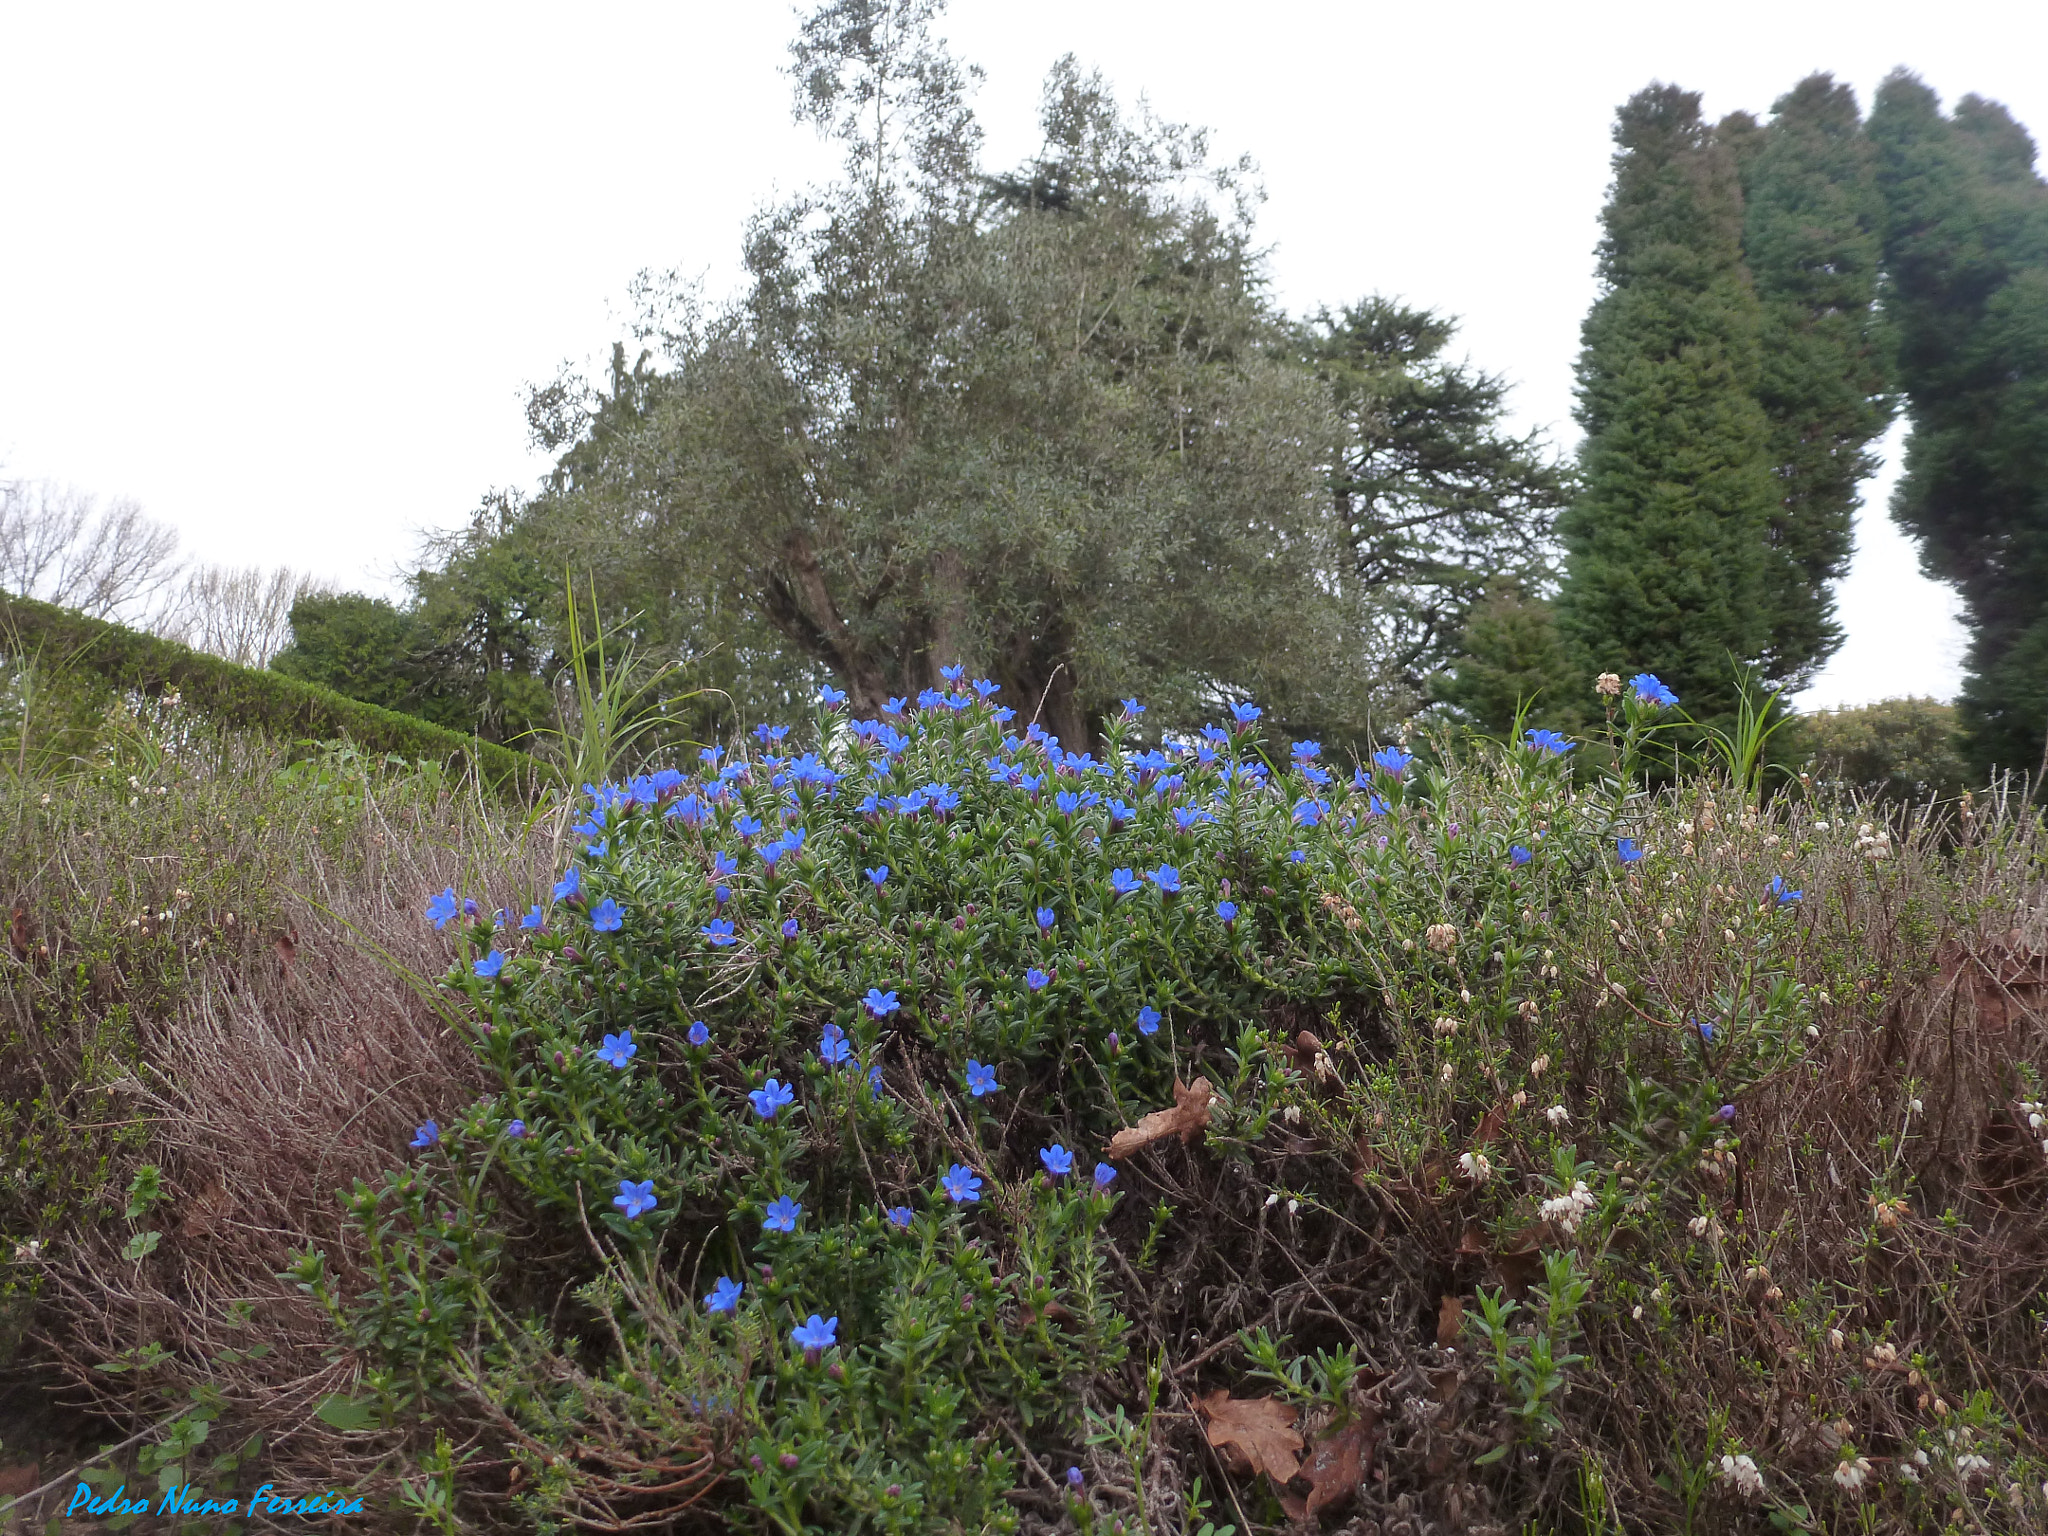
x: 282, y: 273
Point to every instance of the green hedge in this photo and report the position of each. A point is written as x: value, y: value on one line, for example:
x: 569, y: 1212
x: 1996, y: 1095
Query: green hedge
x: 244, y: 696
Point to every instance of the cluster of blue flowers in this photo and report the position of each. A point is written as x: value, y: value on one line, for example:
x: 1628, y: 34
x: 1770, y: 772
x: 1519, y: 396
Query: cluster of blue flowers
x: 750, y: 817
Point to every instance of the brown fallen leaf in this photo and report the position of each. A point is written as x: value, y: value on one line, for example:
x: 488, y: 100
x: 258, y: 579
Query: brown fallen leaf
x: 1450, y: 1320
x: 1259, y: 1429
x: 1490, y: 1126
x: 1336, y: 1468
x: 1188, y: 1119
x: 1305, y: 1049
x: 21, y: 933
x: 287, y: 946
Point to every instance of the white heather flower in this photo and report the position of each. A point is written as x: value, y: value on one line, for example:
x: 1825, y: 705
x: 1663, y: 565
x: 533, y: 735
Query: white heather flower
x: 1539, y: 1066
x: 1446, y: 1026
x: 2035, y: 1122
x: 1637, y: 1314
x: 1450, y: 1071
x: 1820, y: 826
x: 1518, y: 1098
x: 1849, y: 1474
x: 1972, y: 1465
x: 1293, y: 1206
x: 1885, y: 1353
x: 1568, y: 1210
x: 1291, y: 1114
x: 1697, y: 1226
x: 1740, y: 1473
x: 1557, y: 1114
x: 1837, y: 1339
x: 1272, y: 1199
x: 1914, y: 1106
x: 1475, y: 1166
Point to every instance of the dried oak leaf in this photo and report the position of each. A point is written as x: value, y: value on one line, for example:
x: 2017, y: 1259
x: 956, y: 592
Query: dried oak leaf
x: 1188, y: 1119
x: 1490, y: 1126
x: 1450, y: 1320
x: 1258, y: 1429
x: 1336, y: 1468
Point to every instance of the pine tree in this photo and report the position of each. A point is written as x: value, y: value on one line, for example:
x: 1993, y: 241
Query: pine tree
x: 1966, y: 253
x: 1665, y: 545
x: 1812, y: 239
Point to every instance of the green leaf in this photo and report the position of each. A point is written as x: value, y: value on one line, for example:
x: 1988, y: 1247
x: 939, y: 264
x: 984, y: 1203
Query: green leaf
x: 346, y: 1413
x: 141, y: 1245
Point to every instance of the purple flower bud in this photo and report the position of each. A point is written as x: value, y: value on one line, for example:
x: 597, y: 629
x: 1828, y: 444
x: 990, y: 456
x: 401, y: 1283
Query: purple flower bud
x: 754, y: 1462
x: 1725, y: 1112
x: 893, y: 1491
x: 790, y: 1460
x: 1115, y: 1045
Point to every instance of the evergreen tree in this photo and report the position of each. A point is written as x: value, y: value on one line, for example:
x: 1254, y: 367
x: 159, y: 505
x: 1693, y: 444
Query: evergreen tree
x: 1812, y: 239
x: 1439, y: 502
x: 1665, y: 545
x: 1966, y: 253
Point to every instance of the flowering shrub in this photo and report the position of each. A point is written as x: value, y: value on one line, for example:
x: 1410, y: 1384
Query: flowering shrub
x: 859, y: 1098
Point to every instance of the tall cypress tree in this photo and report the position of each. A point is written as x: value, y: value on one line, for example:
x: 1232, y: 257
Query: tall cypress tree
x: 1665, y: 545
x: 1966, y: 253
x: 1812, y: 239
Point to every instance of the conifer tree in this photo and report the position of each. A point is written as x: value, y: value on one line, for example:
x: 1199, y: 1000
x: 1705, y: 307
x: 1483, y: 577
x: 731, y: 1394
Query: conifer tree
x: 1665, y: 544
x: 1812, y: 239
x: 1966, y: 253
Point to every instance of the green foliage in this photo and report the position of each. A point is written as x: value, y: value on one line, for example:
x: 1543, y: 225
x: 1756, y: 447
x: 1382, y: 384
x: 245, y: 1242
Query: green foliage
x: 55, y: 640
x: 1898, y: 749
x: 1966, y: 251
x: 1665, y: 545
x: 352, y: 645
x: 1812, y: 238
x: 1511, y: 662
x: 1440, y: 503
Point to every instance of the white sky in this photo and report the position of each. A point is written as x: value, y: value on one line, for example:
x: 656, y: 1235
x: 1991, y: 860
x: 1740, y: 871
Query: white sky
x: 281, y: 273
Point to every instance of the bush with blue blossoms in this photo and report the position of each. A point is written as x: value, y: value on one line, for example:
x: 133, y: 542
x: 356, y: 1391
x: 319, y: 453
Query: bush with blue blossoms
x: 800, y: 1200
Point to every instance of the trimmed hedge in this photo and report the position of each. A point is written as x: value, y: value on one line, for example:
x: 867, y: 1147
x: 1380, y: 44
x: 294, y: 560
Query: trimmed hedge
x: 244, y: 696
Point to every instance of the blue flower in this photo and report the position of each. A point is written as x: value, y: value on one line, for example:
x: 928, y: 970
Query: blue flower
x: 1148, y: 1021
x: 1547, y: 743
x: 875, y: 1082
x: 723, y: 865
x: 618, y: 1050
x: 443, y: 908
x: 834, y: 1049
x: 767, y: 733
x: 534, y: 918
x: 570, y: 886
x: 1227, y: 910
x: 831, y: 697
x: 960, y: 1185
x: 771, y: 1097
x: 986, y: 690
x: 781, y: 1215
x: 1706, y: 1030
x: 1518, y: 855
x: 607, y: 916
x: 1119, y: 812
x: 1188, y: 817
x: 1045, y: 918
x: 599, y: 850
x: 942, y: 797
x: 1303, y: 751
x: 1392, y: 761
x: 1245, y: 714
x: 954, y: 673
x: 1123, y: 882
x: 1133, y: 709
x: 818, y: 1333
x: 879, y: 1003
x: 700, y: 1033
x: 980, y: 1079
x: 1166, y: 877
x: 899, y: 1215
x: 1036, y: 979
x: 1104, y: 1175
x: 1074, y: 1478
x: 725, y: 1296
x: 1649, y: 690
x: 892, y: 706
x: 426, y: 1136
x: 747, y: 827
x: 1725, y: 1113
x: 490, y: 965
x: 636, y: 1200
x: 1626, y: 850
x: 710, y: 756
x: 1782, y: 893
x: 1297, y: 856
x: 1066, y: 802
x: 1057, y: 1159
x: 721, y: 894
x: 789, y: 929
x: 718, y: 933
x: 877, y: 875
x: 516, y: 1130
x: 1308, y: 813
